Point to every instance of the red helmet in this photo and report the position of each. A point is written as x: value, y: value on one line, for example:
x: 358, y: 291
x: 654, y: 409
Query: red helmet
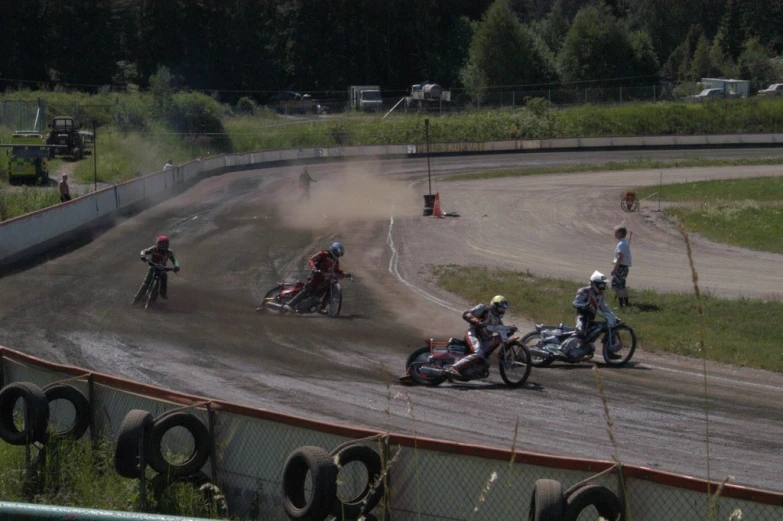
x: 162, y: 242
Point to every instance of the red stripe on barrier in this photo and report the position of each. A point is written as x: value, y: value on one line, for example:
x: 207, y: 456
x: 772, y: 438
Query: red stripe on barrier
x: 542, y: 460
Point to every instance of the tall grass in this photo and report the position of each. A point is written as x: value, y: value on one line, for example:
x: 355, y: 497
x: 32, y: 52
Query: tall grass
x: 26, y: 199
x: 79, y: 475
x: 125, y: 155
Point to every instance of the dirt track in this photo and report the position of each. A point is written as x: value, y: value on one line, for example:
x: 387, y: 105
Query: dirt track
x: 237, y: 234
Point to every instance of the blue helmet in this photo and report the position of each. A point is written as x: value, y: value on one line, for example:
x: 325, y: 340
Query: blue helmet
x: 337, y: 250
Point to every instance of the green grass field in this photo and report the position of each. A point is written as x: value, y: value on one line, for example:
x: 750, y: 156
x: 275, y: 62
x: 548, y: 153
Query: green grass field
x: 662, y: 321
x: 742, y: 212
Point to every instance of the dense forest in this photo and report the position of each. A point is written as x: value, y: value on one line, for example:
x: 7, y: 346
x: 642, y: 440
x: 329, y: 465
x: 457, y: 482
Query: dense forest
x: 258, y: 47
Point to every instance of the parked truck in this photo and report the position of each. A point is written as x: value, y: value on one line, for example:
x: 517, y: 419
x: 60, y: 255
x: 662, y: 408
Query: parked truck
x: 428, y: 95
x: 71, y: 140
x: 365, y: 97
x: 27, y: 158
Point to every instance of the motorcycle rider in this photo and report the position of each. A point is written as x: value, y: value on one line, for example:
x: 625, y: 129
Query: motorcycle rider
x: 589, y: 301
x: 477, y: 336
x: 158, y: 254
x: 324, y: 261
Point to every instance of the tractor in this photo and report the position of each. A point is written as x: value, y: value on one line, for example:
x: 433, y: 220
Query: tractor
x: 66, y: 133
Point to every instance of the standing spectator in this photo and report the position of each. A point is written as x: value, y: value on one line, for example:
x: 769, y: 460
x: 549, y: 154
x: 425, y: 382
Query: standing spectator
x: 304, y: 184
x: 622, y: 263
x: 65, y: 190
x: 168, y: 165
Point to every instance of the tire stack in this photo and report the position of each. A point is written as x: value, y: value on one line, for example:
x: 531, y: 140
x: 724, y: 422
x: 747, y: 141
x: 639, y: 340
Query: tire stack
x: 36, y: 413
x: 323, y: 468
x: 549, y: 503
x: 140, y: 431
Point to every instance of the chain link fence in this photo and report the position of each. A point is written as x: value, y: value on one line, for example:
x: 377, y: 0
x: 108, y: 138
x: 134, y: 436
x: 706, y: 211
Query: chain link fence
x: 424, y: 479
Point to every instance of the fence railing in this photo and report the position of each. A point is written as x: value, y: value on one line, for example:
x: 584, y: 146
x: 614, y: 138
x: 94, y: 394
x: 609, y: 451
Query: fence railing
x: 427, y: 479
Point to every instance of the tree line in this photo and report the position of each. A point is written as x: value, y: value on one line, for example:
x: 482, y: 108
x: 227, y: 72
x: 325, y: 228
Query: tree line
x: 258, y: 47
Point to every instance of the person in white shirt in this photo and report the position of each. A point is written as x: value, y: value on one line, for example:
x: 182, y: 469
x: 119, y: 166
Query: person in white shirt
x: 622, y: 263
x: 168, y: 165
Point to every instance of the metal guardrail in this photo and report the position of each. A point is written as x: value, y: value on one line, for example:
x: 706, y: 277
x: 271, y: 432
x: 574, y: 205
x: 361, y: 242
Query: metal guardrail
x: 32, y: 512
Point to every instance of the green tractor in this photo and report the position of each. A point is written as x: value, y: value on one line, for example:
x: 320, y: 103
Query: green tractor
x: 70, y: 140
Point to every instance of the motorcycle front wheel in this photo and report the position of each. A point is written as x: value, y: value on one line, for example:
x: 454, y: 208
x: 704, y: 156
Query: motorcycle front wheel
x: 515, y: 366
x: 530, y: 340
x: 335, y: 300
x: 418, y: 359
x: 622, y: 346
x: 152, y: 293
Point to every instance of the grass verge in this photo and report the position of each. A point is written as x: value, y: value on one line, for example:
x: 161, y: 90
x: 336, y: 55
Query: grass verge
x: 745, y: 224
x: 742, y: 332
x: 731, y: 211
x: 76, y: 474
x: 634, y: 164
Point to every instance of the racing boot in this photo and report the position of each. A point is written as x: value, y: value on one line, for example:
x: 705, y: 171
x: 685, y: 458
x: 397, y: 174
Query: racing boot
x: 290, y: 307
x: 455, y: 372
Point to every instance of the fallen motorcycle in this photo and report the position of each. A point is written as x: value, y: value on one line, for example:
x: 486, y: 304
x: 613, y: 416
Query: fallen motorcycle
x: 327, y: 301
x: 429, y: 365
x: 548, y: 343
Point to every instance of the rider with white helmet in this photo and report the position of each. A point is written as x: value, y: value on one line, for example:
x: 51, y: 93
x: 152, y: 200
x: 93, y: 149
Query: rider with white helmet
x: 324, y: 261
x: 477, y: 338
x: 589, y: 301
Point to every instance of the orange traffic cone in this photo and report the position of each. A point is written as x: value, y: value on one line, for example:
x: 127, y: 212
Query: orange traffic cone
x: 436, y: 211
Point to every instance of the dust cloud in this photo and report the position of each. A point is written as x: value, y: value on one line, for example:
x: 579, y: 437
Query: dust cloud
x: 354, y: 194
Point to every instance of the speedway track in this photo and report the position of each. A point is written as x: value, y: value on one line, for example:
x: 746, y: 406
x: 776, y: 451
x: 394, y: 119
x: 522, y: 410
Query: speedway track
x: 237, y: 234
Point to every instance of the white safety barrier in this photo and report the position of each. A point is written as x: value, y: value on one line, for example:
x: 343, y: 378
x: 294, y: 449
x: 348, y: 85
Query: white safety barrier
x: 427, y: 479
x: 37, y: 232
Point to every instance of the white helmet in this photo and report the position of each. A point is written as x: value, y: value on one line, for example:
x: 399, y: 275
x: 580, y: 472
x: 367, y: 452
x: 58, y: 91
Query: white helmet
x: 598, y: 281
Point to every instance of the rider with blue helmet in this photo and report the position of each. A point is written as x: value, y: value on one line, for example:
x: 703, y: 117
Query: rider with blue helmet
x: 325, y: 261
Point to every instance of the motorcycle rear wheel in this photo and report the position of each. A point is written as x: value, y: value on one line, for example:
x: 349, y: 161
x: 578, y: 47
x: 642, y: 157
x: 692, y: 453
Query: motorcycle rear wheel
x: 270, y: 295
x: 531, y: 339
x: 627, y: 339
x: 515, y: 369
x: 417, y: 359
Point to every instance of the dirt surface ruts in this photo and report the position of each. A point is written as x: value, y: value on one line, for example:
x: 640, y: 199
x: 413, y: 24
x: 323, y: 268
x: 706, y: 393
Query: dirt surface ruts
x: 237, y: 234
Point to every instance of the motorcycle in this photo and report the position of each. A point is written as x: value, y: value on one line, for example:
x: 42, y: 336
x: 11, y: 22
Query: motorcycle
x: 547, y: 343
x: 327, y: 301
x: 429, y: 365
x: 153, y: 290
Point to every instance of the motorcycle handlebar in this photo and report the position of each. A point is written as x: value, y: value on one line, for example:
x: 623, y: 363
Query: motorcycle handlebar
x: 160, y: 266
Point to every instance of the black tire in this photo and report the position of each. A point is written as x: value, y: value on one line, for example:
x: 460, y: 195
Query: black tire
x: 369, y: 498
x: 547, y: 502
x: 592, y: 494
x: 201, y: 441
x: 625, y: 206
x: 625, y: 352
x: 535, y: 361
x: 518, y: 357
x: 152, y: 294
x: 416, y: 360
x: 81, y: 407
x: 36, y: 409
x: 136, y: 426
x: 324, y: 480
x: 336, y: 303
